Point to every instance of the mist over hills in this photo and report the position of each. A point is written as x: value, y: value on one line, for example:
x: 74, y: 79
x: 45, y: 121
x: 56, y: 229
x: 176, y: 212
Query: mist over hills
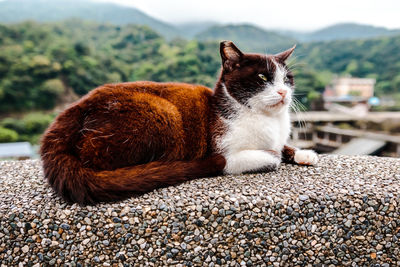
x: 343, y: 31
x: 190, y: 29
x: 45, y: 63
x: 248, y: 36
x: 12, y: 11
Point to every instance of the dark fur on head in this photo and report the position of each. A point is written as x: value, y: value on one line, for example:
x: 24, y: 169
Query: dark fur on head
x: 240, y: 71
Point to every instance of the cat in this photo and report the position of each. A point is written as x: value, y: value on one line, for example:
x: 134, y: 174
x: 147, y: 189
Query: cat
x: 125, y: 139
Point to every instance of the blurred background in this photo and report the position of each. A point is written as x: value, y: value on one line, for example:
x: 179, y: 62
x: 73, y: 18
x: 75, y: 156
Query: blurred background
x: 346, y: 64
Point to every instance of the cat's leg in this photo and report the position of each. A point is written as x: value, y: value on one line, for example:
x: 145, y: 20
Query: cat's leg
x: 251, y: 161
x: 298, y: 156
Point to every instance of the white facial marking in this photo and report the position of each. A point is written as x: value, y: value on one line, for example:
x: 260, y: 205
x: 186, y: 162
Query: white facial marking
x: 280, y: 75
x: 276, y: 96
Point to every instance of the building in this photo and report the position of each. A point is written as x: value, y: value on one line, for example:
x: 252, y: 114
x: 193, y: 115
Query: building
x: 349, y: 91
x: 350, y: 88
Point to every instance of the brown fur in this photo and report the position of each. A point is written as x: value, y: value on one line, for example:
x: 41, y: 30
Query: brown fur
x: 130, y: 138
x: 288, y: 154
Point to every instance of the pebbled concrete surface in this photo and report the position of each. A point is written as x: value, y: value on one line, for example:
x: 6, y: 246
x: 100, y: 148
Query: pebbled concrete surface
x: 344, y: 211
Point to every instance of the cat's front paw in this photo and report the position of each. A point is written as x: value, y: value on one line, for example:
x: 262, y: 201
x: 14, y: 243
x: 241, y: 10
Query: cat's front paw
x: 250, y: 161
x: 306, y: 157
x: 271, y: 166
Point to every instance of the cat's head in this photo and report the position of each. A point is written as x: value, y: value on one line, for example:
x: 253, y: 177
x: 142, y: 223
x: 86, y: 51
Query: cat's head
x: 262, y: 83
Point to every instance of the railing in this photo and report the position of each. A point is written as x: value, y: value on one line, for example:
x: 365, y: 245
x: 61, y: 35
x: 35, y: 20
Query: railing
x: 317, y: 130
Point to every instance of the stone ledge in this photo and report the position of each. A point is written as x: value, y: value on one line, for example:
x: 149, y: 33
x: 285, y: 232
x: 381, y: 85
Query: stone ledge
x: 345, y: 211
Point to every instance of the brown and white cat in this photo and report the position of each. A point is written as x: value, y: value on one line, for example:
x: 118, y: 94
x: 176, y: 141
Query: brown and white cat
x: 126, y: 139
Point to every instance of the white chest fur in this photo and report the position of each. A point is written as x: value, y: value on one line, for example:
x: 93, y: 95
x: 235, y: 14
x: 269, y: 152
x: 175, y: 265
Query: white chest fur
x: 255, y: 131
x: 247, y: 138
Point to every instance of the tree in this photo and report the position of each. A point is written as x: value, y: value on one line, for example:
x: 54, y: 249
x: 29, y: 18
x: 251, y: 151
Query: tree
x: 7, y: 135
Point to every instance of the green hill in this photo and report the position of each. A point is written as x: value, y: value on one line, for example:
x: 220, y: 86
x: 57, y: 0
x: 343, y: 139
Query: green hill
x: 344, y: 31
x: 190, y: 29
x: 40, y: 62
x: 12, y: 11
x: 44, y: 65
x: 376, y: 58
x: 248, y: 37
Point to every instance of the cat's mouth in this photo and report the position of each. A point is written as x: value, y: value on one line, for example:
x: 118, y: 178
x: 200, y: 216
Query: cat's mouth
x: 282, y: 102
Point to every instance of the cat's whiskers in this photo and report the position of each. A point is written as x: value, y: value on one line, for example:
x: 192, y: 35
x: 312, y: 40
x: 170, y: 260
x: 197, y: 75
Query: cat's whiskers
x: 295, y: 110
x: 296, y: 65
x: 303, y: 108
x: 271, y: 100
x: 298, y: 107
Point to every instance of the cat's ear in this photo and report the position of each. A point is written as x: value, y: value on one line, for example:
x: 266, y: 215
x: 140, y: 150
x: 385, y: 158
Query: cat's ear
x: 283, y: 56
x: 230, y: 55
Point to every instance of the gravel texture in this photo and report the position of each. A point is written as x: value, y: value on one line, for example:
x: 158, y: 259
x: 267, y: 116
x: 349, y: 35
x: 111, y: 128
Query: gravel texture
x: 343, y: 212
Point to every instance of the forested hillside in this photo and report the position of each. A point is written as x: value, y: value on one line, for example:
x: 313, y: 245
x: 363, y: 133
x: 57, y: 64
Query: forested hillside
x: 343, y: 31
x: 14, y: 11
x: 248, y: 37
x: 377, y: 58
x: 43, y: 65
x: 39, y: 62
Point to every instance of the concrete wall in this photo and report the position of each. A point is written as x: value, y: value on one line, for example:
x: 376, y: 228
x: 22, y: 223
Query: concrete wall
x: 342, y: 212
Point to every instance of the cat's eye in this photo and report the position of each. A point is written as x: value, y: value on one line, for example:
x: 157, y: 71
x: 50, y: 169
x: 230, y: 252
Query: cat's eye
x: 262, y: 76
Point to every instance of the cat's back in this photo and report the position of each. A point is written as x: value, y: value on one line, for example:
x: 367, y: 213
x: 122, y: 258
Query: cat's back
x: 180, y: 94
x: 159, y: 120
x: 190, y: 100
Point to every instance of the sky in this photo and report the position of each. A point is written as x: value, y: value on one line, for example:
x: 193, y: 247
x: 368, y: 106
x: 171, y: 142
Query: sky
x: 278, y: 14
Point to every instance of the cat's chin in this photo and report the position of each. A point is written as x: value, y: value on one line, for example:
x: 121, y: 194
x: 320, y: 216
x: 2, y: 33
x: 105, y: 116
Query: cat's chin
x: 268, y: 108
x: 279, y: 104
x: 277, y: 108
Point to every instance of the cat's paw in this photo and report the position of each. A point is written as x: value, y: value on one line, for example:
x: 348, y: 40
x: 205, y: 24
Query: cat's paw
x: 270, y: 166
x: 306, y: 157
x: 249, y: 161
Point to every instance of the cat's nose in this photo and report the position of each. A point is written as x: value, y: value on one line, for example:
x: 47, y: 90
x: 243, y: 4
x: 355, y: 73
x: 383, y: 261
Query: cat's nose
x: 282, y: 93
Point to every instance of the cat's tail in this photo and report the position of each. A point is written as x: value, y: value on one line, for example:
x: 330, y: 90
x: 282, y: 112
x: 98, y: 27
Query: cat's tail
x: 75, y: 183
